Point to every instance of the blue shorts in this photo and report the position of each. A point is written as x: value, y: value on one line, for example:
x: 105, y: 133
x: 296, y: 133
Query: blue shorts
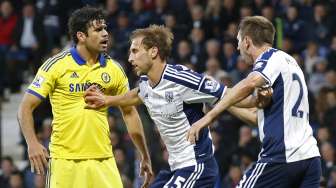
x: 202, y: 175
x: 299, y: 174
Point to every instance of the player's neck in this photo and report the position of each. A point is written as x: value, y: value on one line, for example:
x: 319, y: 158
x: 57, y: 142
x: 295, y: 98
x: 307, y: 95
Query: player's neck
x: 154, y: 75
x: 260, y: 50
x: 89, y: 56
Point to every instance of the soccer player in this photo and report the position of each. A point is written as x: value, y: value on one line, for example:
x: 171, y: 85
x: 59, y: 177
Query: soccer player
x: 80, y: 149
x: 174, y: 97
x: 289, y: 155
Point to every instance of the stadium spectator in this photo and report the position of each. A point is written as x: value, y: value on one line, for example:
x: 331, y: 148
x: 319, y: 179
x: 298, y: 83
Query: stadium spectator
x: 8, y: 20
x: 332, y: 54
x: 27, y: 51
x: 183, y: 54
x: 213, y: 69
x: 197, y: 37
x: 317, y: 78
x: 112, y: 8
x: 7, y: 168
x: 16, y: 180
x: 139, y: 17
x: 241, y: 71
x: 233, y: 177
x: 230, y: 56
x: 213, y: 49
x: 294, y: 27
x: 321, y: 25
x: 328, y: 158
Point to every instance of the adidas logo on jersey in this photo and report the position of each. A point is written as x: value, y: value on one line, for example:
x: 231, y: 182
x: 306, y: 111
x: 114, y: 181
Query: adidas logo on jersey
x: 74, y: 75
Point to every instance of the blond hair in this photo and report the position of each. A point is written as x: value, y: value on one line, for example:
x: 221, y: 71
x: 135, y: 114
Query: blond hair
x: 156, y: 36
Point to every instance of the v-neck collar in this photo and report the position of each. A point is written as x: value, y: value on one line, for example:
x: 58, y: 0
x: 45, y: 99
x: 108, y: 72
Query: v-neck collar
x: 164, y: 70
x: 80, y: 61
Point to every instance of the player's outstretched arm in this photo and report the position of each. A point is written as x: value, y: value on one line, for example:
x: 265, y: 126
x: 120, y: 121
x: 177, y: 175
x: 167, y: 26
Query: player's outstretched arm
x: 261, y: 100
x: 240, y: 91
x: 37, y: 153
x: 248, y: 102
x: 95, y: 99
x: 136, y: 132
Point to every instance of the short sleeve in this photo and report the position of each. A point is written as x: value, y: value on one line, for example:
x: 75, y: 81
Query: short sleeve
x: 210, y: 91
x: 44, y: 81
x: 122, y: 81
x: 269, y: 69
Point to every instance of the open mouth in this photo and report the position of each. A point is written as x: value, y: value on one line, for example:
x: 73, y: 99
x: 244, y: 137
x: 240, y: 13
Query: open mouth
x: 104, y: 42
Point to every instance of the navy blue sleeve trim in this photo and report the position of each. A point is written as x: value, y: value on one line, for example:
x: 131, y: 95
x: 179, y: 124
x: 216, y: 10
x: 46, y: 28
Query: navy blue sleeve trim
x: 181, y: 82
x: 264, y: 76
x: 35, y: 93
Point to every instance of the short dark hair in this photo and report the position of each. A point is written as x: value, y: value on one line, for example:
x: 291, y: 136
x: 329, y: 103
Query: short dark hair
x: 158, y: 36
x: 7, y: 158
x: 259, y: 28
x: 81, y: 19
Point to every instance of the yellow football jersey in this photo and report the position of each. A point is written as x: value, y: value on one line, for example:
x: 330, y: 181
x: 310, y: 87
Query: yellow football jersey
x: 78, y: 133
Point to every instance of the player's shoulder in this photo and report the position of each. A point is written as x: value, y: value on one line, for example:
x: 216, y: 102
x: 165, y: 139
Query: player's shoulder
x: 180, y: 70
x: 55, y: 61
x: 268, y: 55
x: 116, y: 67
x: 182, y: 75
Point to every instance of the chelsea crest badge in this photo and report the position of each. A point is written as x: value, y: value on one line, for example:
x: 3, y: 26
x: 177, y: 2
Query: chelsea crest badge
x: 105, y: 77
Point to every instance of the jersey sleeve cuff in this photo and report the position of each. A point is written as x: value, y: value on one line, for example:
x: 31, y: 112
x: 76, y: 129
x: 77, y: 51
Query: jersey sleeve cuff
x: 265, y: 77
x: 35, y: 94
x: 222, y: 95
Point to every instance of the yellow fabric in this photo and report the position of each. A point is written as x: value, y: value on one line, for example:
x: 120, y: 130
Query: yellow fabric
x: 77, y: 133
x: 91, y: 173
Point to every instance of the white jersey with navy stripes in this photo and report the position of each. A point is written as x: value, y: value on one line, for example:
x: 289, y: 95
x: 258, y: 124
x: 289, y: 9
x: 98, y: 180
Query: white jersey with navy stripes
x: 174, y: 104
x: 284, y: 128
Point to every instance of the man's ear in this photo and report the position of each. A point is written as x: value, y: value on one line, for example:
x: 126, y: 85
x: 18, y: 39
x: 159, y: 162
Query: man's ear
x: 154, y: 52
x: 248, y: 42
x: 81, y: 36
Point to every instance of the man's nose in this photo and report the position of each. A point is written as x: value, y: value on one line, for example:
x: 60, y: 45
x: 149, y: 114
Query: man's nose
x: 130, y: 59
x: 105, y: 33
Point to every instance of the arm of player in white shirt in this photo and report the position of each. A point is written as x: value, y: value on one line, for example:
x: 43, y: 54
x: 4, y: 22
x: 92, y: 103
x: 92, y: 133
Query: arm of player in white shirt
x: 239, y: 92
x: 248, y: 102
x: 130, y: 98
x: 96, y: 99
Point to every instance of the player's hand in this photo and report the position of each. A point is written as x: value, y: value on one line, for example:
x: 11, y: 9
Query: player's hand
x: 193, y: 132
x: 94, y: 98
x: 146, y: 171
x: 264, y: 96
x: 38, y: 157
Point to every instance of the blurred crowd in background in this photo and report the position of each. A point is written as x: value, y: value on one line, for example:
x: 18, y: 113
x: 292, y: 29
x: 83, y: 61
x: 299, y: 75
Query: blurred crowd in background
x: 205, y: 40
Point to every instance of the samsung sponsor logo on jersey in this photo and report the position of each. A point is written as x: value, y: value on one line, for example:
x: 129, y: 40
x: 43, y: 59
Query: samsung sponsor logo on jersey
x: 81, y: 87
x: 38, y: 81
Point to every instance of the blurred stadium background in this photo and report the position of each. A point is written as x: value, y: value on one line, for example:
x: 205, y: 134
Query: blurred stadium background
x: 205, y: 40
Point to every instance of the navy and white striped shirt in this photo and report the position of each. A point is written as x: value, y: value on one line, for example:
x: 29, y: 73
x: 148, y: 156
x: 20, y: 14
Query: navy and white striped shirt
x: 174, y: 104
x: 284, y: 128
